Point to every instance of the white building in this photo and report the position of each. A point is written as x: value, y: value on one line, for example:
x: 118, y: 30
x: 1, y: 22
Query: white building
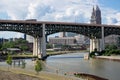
x: 62, y: 40
x: 29, y: 38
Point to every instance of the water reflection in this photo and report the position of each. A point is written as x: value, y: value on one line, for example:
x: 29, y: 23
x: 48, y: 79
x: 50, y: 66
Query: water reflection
x: 75, y: 63
x: 69, y: 63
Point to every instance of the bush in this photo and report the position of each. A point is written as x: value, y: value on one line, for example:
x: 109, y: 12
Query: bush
x: 23, y: 64
x: 108, y: 52
x: 38, y: 66
x: 110, y: 47
x: 9, y: 61
x: 94, y: 53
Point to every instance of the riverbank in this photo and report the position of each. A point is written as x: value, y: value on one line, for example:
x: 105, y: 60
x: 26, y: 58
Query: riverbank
x: 21, y: 74
x: 52, y: 53
x: 89, y: 76
x: 5, y: 75
x: 29, y: 56
x: 114, y: 58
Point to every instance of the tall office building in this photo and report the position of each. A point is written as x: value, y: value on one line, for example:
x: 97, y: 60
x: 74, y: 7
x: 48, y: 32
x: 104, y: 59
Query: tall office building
x: 96, y: 15
x: 96, y: 19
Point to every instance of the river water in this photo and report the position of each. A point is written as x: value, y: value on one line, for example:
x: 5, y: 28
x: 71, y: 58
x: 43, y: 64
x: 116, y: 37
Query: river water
x: 74, y: 62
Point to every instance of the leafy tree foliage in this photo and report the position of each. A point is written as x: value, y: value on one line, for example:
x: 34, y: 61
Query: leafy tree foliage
x: 110, y: 50
x: 38, y: 66
x: 10, y: 44
x: 9, y: 60
x: 111, y: 47
x: 23, y: 64
x: 48, y: 46
x: 20, y: 43
x: 0, y: 46
x: 23, y: 47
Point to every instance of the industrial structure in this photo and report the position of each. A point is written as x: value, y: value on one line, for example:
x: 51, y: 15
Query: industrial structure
x: 39, y: 30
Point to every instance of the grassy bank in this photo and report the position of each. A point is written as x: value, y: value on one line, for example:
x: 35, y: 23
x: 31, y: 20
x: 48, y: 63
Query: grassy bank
x: 23, y: 56
x: 63, y: 52
x: 42, y: 75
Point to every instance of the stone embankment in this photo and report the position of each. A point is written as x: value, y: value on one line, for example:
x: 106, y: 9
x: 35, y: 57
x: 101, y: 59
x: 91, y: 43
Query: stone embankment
x: 114, y: 58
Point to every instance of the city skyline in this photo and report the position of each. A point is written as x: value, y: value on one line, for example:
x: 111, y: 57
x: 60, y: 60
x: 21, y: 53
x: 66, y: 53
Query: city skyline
x: 50, y: 10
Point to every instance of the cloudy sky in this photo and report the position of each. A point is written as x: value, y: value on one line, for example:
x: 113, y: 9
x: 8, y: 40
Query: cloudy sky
x: 57, y: 10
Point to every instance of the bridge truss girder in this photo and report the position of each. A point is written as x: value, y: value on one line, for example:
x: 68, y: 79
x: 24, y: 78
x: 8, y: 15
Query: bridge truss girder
x: 111, y: 30
x: 34, y: 28
x: 89, y: 31
x: 28, y: 28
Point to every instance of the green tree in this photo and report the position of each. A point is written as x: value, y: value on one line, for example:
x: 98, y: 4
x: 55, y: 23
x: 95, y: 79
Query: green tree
x: 38, y: 66
x: 10, y: 44
x: 0, y: 46
x: 48, y: 46
x: 9, y: 60
x: 23, y: 47
x: 22, y: 44
x: 23, y: 64
x: 111, y: 47
x: 19, y: 41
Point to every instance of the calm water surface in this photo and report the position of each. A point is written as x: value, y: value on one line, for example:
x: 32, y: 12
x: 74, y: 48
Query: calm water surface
x: 74, y: 62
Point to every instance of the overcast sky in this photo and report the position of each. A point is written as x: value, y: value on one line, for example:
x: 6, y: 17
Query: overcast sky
x: 57, y: 10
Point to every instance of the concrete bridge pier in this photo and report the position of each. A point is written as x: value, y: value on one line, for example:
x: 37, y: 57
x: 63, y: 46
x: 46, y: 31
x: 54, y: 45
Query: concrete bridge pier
x: 43, y: 42
x: 94, y: 44
x: 35, y: 45
x: 103, y: 39
x: 98, y: 44
x: 39, y: 45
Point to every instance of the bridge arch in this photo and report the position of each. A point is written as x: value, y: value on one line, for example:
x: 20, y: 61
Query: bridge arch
x: 40, y: 29
x: 88, y: 31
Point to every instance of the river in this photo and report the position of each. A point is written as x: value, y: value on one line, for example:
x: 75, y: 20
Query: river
x: 74, y: 62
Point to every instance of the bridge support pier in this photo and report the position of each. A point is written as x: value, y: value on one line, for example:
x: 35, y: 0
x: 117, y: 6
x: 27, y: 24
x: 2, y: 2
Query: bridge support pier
x: 94, y: 44
x: 39, y: 45
x: 98, y: 44
x: 103, y: 39
x: 35, y: 44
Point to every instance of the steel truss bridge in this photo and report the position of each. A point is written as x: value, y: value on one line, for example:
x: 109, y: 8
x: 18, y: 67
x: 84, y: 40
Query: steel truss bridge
x: 39, y: 29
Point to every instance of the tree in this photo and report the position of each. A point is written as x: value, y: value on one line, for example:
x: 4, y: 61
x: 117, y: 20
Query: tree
x: 19, y: 41
x: 23, y: 64
x: 38, y: 66
x: 48, y: 46
x: 0, y: 46
x: 111, y: 47
x: 10, y: 44
x: 23, y: 47
x: 9, y: 60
